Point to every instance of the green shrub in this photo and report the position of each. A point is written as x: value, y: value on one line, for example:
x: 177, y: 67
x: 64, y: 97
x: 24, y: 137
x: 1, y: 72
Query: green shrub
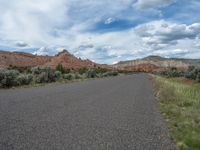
x: 36, y: 70
x: 82, y: 70
x: 2, y: 74
x: 175, y: 73
x: 67, y: 70
x: 100, y: 70
x: 69, y: 76
x: 198, y: 77
x: 114, y: 73
x: 45, y: 74
x: 110, y: 73
x: 60, y: 68
x: 58, y: 74
x: 106, y: 74
x: 191, y: 68
x: 78, y: 76
x: 20, y: 69
x: 24, y: 79
x: 8, y: 77
x: 84, y: 76
x: 91, y: 74
x: 41, y: 78
x: 52, y: 75
x: 192, y: 73
x: 124, y: 71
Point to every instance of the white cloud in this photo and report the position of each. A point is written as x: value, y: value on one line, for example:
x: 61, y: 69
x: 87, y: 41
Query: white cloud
x: 21, y: 44
x: 147, y: 4
x: 31, y: 21
x: 197, y: 42
x: 170, y: 52
x: 46, y: 50
x: 53, y: 25
x: 105, y: 47
x: 109, y: 20
x: 161, y: 34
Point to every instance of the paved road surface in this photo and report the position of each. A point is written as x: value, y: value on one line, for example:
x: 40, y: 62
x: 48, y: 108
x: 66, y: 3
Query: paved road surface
x: 106, y: 114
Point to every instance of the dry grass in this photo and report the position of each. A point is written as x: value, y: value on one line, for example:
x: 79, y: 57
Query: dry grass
x: 180, y: 105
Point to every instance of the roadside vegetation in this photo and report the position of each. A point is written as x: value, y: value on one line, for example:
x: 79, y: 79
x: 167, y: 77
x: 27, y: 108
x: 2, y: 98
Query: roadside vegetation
x: 179, y: 100
x: 15, y: 76
x: 192, y: 73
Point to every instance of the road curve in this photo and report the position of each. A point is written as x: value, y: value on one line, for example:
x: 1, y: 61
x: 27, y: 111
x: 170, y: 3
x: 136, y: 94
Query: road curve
x: 117, y: 113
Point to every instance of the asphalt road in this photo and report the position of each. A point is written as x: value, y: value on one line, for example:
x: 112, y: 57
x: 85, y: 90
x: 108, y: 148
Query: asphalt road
x: 106, y: 114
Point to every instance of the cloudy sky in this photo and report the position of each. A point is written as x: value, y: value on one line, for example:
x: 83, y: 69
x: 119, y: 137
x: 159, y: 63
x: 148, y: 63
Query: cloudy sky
x: 104, y: 31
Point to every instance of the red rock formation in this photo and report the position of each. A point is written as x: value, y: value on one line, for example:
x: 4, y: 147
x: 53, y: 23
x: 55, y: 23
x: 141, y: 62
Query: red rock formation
x: 21, y: 59
x: 68, y: 60
x: 141, y: 68
x: 156, y: 63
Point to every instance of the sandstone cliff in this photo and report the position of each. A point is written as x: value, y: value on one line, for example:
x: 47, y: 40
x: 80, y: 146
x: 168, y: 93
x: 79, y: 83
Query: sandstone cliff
x: 21, y: 59
x: 155, y: 63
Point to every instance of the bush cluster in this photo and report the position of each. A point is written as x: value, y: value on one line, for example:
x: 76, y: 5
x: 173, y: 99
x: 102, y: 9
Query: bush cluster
x: 45, y: 75
x: 69, y: 76
x: 191, y: 73
x: 8, y: 77
x: 15, y: 76
x: 172, y: 73
x: 110, y: 73
x: 24, y: 79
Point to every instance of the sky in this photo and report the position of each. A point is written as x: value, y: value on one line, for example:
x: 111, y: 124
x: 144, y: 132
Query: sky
x: 104, y: 31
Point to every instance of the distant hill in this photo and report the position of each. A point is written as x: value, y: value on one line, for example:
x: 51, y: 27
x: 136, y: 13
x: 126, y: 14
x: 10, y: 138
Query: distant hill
x: 147, y: 64
x: 155, y: 63
x: 21, y: 59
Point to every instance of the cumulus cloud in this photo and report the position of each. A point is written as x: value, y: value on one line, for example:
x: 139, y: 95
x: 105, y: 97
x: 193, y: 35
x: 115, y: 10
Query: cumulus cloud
x: 197, y: 42
x: 85, y: 46
x: 53, y: 25
x: 107, y: 47
x: 109, y: 20
x: 147, y: 4
x: 21, y: 44
x: 32, y: 21
x: 171, y: 52
x: 48, y: 50
x: 161, y: 34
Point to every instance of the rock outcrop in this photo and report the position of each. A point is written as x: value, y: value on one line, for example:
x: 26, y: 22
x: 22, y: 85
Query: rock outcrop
x: 21, y: 59
x: 156, y: 63
x: 67, y: 60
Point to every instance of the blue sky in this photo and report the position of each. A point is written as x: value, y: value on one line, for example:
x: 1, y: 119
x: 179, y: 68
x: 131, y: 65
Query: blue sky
x: 104, y: 31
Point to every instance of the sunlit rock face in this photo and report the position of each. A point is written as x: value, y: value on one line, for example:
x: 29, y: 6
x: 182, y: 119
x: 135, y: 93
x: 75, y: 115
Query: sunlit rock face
x: 156, y: 63
x: 21, y: 59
